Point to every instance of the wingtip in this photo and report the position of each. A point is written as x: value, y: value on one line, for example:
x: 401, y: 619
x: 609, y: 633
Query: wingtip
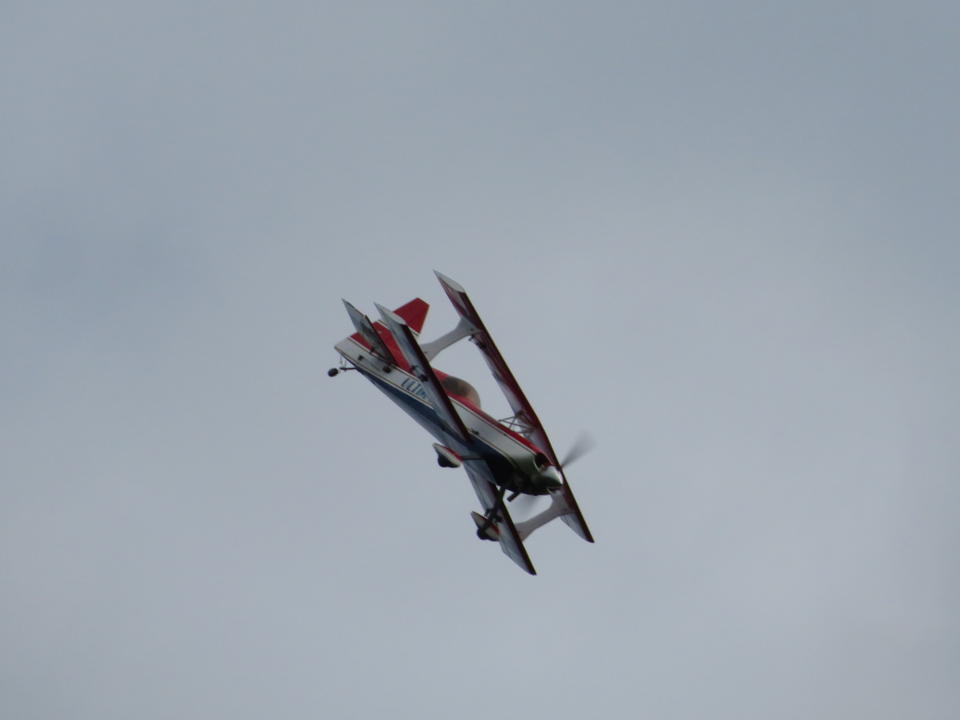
x: 448, y: 281
x: 388, y: 314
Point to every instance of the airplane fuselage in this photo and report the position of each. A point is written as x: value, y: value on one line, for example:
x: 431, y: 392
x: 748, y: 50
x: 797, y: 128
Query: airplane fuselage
x: 515, y: 462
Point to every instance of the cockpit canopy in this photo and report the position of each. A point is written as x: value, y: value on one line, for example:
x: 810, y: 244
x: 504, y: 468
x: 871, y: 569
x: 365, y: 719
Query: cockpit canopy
x: 460, y: 387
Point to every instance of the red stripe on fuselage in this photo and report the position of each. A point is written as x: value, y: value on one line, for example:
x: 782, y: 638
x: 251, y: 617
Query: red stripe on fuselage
x: 485, y: 417
x: 388, y: 340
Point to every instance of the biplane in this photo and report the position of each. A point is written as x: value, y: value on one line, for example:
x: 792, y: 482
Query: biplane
x: 504, y: 458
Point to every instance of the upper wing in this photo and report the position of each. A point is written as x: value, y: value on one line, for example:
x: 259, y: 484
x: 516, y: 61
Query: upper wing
x: 498, y: 366
x: 494, y: 507
x: 524, y: 412
x: 420, y: 367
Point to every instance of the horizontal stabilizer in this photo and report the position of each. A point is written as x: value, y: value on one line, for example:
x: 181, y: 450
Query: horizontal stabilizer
x: 369, y: 334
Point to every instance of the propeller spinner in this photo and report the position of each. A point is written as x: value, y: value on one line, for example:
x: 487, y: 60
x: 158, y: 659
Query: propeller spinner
x: 551, y: 477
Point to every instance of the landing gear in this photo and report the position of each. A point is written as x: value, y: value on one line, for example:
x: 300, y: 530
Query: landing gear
x: 487, y: 524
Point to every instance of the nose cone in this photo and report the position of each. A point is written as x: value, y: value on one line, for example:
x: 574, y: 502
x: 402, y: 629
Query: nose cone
x: 550, y: 478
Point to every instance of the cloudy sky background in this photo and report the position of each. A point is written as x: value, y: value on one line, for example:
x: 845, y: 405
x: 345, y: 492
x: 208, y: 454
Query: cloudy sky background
x: 719, y: 236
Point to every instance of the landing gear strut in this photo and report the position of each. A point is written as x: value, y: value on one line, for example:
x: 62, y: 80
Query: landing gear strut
x: 491, y: 517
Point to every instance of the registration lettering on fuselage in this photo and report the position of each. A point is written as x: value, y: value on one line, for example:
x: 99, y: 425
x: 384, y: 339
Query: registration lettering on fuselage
x: 414, y: 387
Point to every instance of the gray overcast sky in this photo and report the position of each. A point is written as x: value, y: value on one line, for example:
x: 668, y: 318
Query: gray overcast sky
x: 722, y: 237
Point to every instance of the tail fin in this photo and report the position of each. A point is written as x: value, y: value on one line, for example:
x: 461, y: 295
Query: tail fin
x: 414, y: 313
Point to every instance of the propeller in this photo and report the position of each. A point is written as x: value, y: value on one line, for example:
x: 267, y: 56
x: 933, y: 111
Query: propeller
x: 581, y: 446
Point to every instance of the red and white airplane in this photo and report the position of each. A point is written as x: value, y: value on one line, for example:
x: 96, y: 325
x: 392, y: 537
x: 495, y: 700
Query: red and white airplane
x: 512, y: 455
